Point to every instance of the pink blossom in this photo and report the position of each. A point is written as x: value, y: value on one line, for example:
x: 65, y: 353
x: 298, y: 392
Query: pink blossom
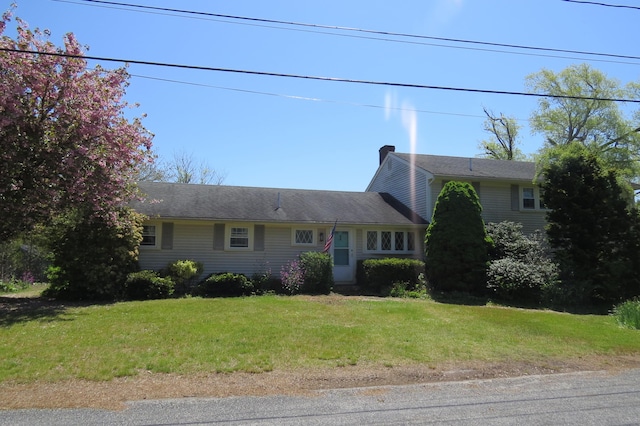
x: 63, y: 136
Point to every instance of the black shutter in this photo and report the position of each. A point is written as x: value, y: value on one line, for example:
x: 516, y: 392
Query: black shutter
x: 167, y: 235
x: 258, y: 238
x: 218, y: 236
x: 515, y: 197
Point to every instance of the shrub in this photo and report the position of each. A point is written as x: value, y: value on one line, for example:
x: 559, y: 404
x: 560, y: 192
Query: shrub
x: 378, y: 274
x: 91, y: 257
x: 147, y: 285
x: 225, y: 284
x: 628, y: 313
x: 511, y: 279
x: 265, y: 282
x: 318, y: 272
x: 184, y: 274
x: 456, y: 241
x: 12, y: 285
x: 292, y: 277
x: 521, y: 268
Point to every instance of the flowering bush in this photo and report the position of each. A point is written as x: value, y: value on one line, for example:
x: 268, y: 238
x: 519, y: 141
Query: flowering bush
x: 292, y: 276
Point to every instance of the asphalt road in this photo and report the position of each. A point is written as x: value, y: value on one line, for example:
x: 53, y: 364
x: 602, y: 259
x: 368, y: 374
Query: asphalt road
x: 591, y: 398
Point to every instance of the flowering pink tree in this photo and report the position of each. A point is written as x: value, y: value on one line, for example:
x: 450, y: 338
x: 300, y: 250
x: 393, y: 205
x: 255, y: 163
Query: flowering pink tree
x: 64, y: 139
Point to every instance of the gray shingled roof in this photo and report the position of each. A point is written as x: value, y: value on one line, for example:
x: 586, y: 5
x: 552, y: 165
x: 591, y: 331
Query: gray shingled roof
x: 471, y: 167
x: 228, y: 203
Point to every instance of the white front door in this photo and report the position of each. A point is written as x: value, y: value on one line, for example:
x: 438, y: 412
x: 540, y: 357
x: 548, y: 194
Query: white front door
x: 343, y: 259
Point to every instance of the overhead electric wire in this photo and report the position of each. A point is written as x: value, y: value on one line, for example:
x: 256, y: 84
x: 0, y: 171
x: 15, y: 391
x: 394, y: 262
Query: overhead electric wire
x: 316, y: 78
x: 595, y: 3
x: 306, y: 98
x: 362, y: 30
x: 363, y: 37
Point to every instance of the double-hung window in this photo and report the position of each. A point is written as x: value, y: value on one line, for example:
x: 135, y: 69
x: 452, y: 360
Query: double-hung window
x: 239, y: 237
x: 532, y: 199
x: 528, y: 198
x: 148, y: 235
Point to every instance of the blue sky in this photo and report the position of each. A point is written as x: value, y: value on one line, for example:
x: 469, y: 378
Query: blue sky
x: 267, y: 131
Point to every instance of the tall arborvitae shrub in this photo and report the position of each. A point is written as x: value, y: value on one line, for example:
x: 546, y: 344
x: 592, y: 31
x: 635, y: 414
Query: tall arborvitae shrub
x: 456, y: 241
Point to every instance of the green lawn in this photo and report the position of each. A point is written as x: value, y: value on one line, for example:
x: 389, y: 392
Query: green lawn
x: 271, y: 332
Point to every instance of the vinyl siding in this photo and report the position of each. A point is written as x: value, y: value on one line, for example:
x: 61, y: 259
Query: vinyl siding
x: 495, y: 198
x: 194, y: 240
x: 394, y: 178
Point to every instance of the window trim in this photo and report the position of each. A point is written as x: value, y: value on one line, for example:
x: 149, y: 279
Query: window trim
x: 227, y: 237
x: 537, y: 199
x: 379, y: 250
x: 152, y: 235
x: 314, y: 238
x: 158, y: 237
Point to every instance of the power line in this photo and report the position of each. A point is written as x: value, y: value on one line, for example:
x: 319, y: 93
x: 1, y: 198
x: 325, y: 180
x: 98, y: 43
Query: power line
x: 362, y: 30
x: 316, y: 78
x: 384, y: 39
x: 621, y: 6
x: 305, y: 98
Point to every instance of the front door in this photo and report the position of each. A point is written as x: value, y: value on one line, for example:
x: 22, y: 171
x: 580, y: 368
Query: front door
x: 343, y: 262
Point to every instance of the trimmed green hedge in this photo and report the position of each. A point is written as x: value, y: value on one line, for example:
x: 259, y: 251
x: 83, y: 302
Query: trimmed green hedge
x: 147, y: 285
x: 378, y: 274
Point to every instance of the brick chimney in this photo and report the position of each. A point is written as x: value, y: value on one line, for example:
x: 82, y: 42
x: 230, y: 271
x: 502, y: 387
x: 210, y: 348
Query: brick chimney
x: 385, y: 150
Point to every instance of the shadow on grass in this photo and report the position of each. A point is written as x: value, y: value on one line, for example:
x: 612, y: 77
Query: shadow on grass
x: 15, y: 310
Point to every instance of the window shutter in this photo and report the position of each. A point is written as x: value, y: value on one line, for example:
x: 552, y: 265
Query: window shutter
x: 515, y: 197
x: 218, y: 236
x: 258, y: 238
x: 167, y: 235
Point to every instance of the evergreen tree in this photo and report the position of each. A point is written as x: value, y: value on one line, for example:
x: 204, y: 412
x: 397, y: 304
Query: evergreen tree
x: 592, y: 227
x: 456, y: 241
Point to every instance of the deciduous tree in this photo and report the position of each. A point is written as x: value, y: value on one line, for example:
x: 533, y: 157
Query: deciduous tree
x: 578, y: 112
x: 64, y: 138
x: 502, y: 144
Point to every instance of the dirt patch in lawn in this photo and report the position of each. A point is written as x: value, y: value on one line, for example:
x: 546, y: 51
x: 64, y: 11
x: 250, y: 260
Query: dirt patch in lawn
x: 115, y: 393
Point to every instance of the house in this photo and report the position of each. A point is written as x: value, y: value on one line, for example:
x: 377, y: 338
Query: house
x: 252, y: 230
x: 506, y: 188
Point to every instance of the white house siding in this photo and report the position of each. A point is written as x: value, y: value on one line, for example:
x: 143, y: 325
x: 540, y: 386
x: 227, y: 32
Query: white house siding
x: 495, y: 198
x: 194, y: 241
x: 394, y: 178
x: 496, y: 207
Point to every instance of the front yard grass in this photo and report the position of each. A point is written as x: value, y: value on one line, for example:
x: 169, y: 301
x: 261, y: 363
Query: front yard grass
x: 258, y: 334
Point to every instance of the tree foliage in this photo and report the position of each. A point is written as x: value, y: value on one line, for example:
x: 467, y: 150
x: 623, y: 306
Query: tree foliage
x: 91, y: 257
x: 456, y: 241
x: 577, y: 112
x: 502, y: 145
x: 64, y: 137
x: 592, y: 227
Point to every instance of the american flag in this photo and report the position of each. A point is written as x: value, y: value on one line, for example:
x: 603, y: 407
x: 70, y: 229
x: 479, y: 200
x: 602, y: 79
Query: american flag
x: 327, y: 245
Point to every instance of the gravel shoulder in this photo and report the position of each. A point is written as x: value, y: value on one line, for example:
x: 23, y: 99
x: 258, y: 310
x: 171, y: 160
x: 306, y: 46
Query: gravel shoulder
x: 113, y: 395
